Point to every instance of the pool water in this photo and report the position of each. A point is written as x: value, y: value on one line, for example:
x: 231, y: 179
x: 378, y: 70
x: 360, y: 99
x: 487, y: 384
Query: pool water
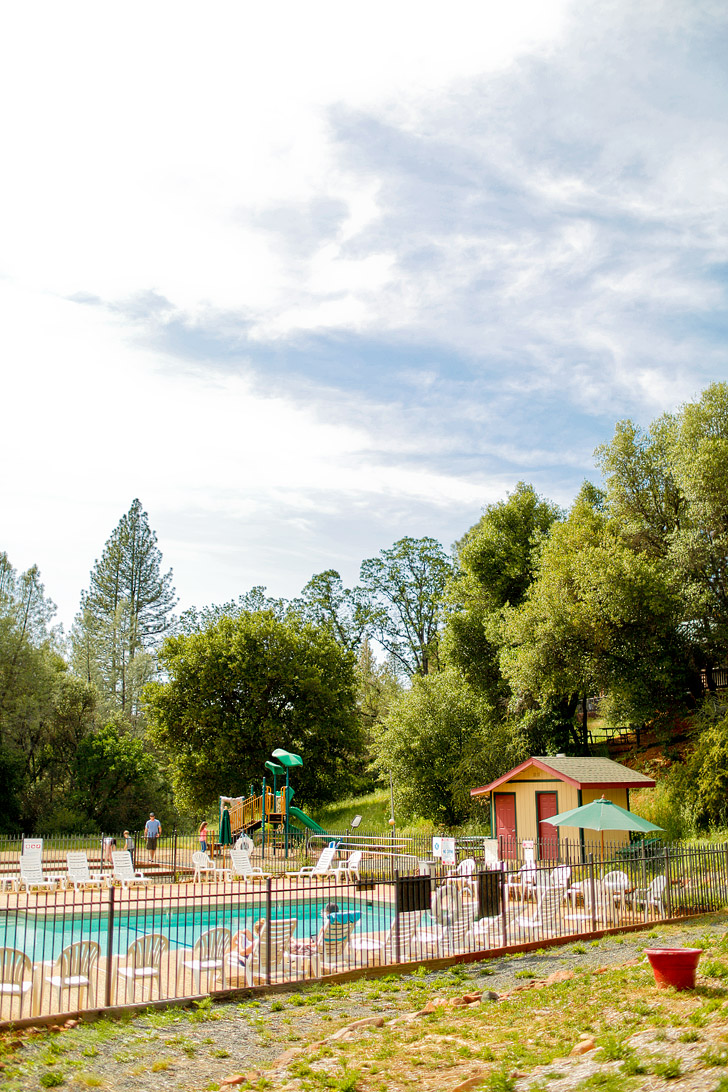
x: 44, y: 936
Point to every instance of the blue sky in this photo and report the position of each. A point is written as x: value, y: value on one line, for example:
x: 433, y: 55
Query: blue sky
x: 309, y: 278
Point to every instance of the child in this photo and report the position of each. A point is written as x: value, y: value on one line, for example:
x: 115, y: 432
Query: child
x: 202, y: 835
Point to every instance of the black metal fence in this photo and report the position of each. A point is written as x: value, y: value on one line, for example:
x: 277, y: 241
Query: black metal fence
x: 66, y: 950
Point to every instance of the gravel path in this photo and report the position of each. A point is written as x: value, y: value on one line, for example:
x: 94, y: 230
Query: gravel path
x: 185, y: 1051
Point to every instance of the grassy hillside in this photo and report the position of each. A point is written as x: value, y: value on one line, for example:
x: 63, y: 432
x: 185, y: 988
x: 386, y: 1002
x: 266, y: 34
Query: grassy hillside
x: 374, y: 810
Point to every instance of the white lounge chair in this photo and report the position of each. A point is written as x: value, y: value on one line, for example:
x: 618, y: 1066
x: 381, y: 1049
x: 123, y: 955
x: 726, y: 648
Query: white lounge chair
x: 75, y: 969
x: 143, y: 964
x: 16, y: 983
x: 204, y: 866
x: 242, y: 869
x: 547, y: 918
x: 321, y: 868
x: 124, y: 869
x: 330, y: 952
x: 31, y: 874
x: 385, y: 948
x: 78, y: 873
x: 271, y: 952
x: 349, y: 869
x: 208, y: 957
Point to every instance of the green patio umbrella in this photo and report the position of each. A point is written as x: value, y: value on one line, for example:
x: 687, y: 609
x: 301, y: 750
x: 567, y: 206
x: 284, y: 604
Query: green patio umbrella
x: 226, y: 836
x: 602, y: 815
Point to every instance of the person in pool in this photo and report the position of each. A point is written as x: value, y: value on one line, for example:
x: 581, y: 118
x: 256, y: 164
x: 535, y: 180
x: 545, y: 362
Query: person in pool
x: 300, y: 947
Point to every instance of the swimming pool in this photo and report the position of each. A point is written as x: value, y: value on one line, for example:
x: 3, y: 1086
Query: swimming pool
x: 43, y: 936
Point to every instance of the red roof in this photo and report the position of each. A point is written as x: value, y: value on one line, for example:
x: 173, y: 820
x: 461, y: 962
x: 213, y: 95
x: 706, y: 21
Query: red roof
x: 603, y: 773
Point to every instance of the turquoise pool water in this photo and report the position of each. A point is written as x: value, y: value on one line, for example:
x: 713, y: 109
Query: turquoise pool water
x: 45, y: 935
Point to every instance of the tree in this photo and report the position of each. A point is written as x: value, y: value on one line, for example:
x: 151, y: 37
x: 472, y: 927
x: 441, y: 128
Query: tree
x: 404, y: 590
x: 598, y: 618
x: 497, y: 560
x: 667, y: 492
x: 116, y: 778
x: 325, y: 601
x: 125, y: 613
x: 245, y: 685
x: 439, y: 741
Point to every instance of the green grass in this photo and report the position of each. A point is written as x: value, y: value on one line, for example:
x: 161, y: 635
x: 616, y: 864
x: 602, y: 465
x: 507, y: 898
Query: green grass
x: 374, y: 810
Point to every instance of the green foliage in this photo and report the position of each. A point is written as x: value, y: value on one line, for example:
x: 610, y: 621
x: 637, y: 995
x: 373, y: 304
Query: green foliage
x: 117, y: 779
x: 440, y: 739
x: 598, y: 618
x: 497, y: 560
x: 124, y: 614
x: 404, y: 589
x: 244, y: 686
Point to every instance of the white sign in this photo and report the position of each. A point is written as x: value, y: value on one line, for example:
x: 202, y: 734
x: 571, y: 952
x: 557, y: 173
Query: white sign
x: 490, y: 850
x: 447, y: 850
x: 529, y: 851
x: 437, y: 846
x: 32, y: 844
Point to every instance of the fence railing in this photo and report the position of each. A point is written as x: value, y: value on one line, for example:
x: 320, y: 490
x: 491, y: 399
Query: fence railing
x: 64, y: 951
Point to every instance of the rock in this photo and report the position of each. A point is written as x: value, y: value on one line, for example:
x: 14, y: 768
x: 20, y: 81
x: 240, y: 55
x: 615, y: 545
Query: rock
x: 287, y: 1056
x: 313, y: 1047
x: 470, y: 1082
x: 584, y: 1046
x: 238, y: 1078
x: 55, y: 1028
x: 71, y: 1023
x: 490, y: 995
x: 469, y: 998
x: 431, y: 1006
x: 342, y: 1033
x: 367, y: 1022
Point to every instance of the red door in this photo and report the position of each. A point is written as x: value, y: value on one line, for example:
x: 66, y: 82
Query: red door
x: 505, y: 824
x: 547, y: 804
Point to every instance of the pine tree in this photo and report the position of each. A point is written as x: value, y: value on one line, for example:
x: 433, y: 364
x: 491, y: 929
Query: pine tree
x: 125, y: 613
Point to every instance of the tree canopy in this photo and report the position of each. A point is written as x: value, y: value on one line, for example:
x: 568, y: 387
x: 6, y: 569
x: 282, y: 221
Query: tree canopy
x: 243, y: 686
x: 125, y: 613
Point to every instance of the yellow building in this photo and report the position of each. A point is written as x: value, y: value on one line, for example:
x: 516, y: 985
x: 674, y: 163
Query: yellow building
x: 522, y: 801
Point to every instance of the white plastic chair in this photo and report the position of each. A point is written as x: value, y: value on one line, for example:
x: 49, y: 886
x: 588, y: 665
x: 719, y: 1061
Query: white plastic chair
x: 204, y: 866
x: 652, y: 898
x: 16, y: 981
x: 124, y: 869
x: 321, y: 868
x: 617, y: 883
x: 242, y: 869
x: 271, y: 951
x: 350, y: 867
x: 75, y: 969
x: 78, y: 873
x: 208, y: 957
x: 31, y: 874
x: 143, y: 964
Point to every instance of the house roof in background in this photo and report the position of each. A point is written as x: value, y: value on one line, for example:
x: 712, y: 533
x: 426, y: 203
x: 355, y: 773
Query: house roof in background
x: 580, y: 772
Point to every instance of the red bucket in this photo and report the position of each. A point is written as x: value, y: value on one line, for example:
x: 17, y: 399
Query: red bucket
x: 674, y: 966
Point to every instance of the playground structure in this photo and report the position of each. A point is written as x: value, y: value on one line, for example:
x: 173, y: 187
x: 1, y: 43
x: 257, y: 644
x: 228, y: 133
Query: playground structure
x: 270, y: 811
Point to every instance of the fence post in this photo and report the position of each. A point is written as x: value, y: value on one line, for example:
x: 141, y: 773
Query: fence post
x: 593, y: 893
x: 109, y: 948
x: 668, y: 895
x: 397, y: 904
x: 644, y: 880
x: 267, y: 929
x: 174, y: 856
x: 504, y: 908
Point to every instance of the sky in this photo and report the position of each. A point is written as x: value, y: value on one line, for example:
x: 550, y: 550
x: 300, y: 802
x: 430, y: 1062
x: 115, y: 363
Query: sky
x: 308, y: 278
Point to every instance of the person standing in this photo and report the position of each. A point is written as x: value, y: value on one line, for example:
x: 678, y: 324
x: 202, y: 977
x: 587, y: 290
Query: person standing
x: 129, y: 844
x: 152, y: 831
x: 202, y: 834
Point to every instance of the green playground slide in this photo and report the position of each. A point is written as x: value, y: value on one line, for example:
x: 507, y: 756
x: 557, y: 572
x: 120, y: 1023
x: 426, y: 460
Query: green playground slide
x: 306, y: 820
